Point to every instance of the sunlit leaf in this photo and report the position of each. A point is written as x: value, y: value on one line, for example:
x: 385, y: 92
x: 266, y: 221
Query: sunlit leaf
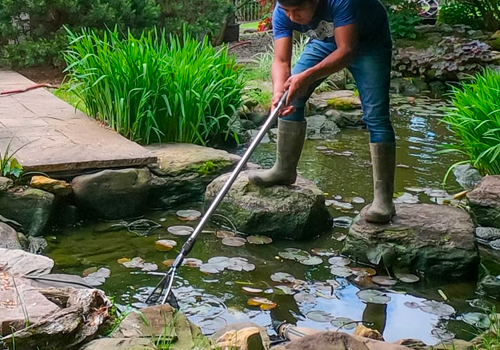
x: 122, y: 260
x: 88, y: 271
x: 341, y: 271
x: 344, y: 323
x: 250, y: 290
x: 259, y: 240
x: 373, y: 296
x: 319, y: 316
x: 294, y: 254
x: 164, y: 245
x: 234, y: 241
x: 181, y: 230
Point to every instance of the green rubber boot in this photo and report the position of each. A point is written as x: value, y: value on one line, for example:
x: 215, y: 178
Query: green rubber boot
x: 291, y: 137
x: 384, y: 165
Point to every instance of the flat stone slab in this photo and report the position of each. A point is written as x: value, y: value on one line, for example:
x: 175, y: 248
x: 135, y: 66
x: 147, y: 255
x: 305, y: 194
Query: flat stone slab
x: 54, y: 136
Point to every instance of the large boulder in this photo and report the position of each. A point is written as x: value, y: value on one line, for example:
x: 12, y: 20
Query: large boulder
x: 485, y: 201
x: 467, y: 176
x: 287, y: 212
x: 337, y: 99
x: 183, y: 172
x: 319, y: 127
x: 9, y: 238
x: 29, y: 207
x: 113, y: 194
x: 435, y: 241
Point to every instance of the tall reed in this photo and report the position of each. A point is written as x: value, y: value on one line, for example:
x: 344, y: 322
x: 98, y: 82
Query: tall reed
x: 156, y: 87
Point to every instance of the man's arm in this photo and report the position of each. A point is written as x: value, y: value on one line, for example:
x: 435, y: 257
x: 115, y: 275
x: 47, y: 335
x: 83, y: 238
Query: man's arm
x: 281, y: 68
x: 346, y: 40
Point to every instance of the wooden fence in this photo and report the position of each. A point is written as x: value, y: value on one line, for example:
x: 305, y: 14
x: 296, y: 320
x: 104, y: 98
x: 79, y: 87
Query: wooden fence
x: 248, y: 10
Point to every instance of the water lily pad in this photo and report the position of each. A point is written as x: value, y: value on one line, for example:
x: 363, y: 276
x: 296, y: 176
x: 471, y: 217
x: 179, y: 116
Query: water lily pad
x: 341, y: 271
x: 415, y: 189
x: 358, y: 200
x: 250, y: 290
x: 406, y: 198
x: 477, y: 319
x: 211, y: 268
x: 407, y: 277
x: 263, y: 303
x: 218, y: 259
x: 294, y: 254
x: 240, y: 264
x: 342, y: 222
x: 122, y: 260
x: 88, y: 271
x: 234, y: 241
x: 259, y: 240
x: 338, y: 205
x: 322, y: 148
x: 442, y: 334
x: 381, y: 252
x: 285, y: 290
x: 192, y: 262
x: 323, y: 252
x: 140, y: 263
x: 188, y: 214
x: 225, y: 234
x: 282, y: 277
x: 384, y: 280
x: 481, y: 304
x: 164, y: 245
x: 319, y: 316
x: 412, y: 305
x: 373, y: 296
x: 364, y: 271
x: 344, y: 323
x: 437, y: 308
x: 180, y: 230
x: 339, y: 261
x: 98, y: 277
x: 313, y: 260
x: 305, y: 298
x: 437, y: 193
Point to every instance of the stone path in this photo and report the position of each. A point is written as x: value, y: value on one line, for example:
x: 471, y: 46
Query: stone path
x: 55, y: 137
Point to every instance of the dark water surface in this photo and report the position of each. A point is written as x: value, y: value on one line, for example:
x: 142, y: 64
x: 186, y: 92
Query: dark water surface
x: 213, y: 300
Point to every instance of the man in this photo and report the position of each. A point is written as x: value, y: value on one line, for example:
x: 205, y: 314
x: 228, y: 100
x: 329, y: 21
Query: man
x: 344, y: 33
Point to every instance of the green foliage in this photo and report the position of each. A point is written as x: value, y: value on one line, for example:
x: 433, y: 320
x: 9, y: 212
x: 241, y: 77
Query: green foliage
x: 151, y: 89
x: 475, y: 119
x: 459, y: 13
x: 402, y: 21
x: 9, y: 166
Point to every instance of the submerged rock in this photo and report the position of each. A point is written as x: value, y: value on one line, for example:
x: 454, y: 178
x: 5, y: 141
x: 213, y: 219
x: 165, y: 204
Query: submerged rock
x: 433, y: 240
x: 319, y: 127
x: 485, y: 201
x: 183, y: 172
x: 467, y: 176
x: 286, y: 212
x: 31, y: 208
x: 113, y: 194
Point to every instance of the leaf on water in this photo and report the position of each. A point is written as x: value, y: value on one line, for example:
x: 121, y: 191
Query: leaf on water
x: 303, y: 297
x: 313, y: 260
x: 225, y: 234
x: 282, y: 277
x: 294, y: 254
x: 412, y: 305
x: 234, y: 241
x: 192, y: 262
x: 477, y: 319
x: 344, y: 323
x: 339, y: 261
x: 211, y: 268
x: 358, y: 200
x: 259, y: 240
x: 445, y: 298
x: 257, y: 301
x: 363, y: 271
x: 323, y: 252
x: 168, y: 262
x: 322, y: 148
x: 88, y: 271
x: 384, y: 280
x: 140, y: 263
x: 319, y: 316
x: 437, y: 308
x: 268, y: 306
x: 442, y: 334
x: 407, y: 277
x: 188, y: 214
x: 285, y: 290
x: 341, y: 271
x: 97, y: 278
x: 180, y: 230
x: 373, y: 296
x: 377, y: 253
x: 164, y: 245
x: 415, y: 189
x: 218, y: 260
x: 122, y: 260
x: 250, y: 290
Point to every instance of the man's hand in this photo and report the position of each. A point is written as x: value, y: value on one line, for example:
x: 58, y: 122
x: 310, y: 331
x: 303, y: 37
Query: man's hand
x: 297, y: 86
x: 274, y: 103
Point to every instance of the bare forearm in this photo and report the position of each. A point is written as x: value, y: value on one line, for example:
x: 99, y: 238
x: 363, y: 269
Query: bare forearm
x: 334, y: 62
x: 280, y: 72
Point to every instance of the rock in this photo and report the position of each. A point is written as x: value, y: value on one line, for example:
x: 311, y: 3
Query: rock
x: 247, y: 124
x: 490, y: 286
x: 427, y: 28
x: 487, y: 234
x: 484, y: 201
x: 120, y: 344
x: 287, y: 212
x: 436, y: 241
x: 57, y: 187
x: 113, y: 194
x: 366, y: 332
x: 81, y: 313
x: 5, y: 183
x: 36, y: 245
x: 434, y: 37
x: 352, y: 118
x: 412, y: 344
x: 475, y: 34
x: 31, y: 208
x: 251, y: 330
x: 338, y: 99
x: 495, y: 35
x: 19, y: 262
x: 319, y: 127
x: 437, y: 88
x: 467, y: 176
x: 265, y: 139
x: 8, y: 237
x: 184, y: 171
x: 161, y: 319
x: 494, y: 244
x: 243, y: 339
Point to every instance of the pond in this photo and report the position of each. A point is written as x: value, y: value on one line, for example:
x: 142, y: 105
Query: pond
x: 212, y: 300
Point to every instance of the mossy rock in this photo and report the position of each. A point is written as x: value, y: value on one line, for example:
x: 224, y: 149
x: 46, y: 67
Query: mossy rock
x: 342, y: 103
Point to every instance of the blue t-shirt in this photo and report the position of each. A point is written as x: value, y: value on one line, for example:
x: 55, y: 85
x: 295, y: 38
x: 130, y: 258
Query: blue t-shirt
x: 369, y: 15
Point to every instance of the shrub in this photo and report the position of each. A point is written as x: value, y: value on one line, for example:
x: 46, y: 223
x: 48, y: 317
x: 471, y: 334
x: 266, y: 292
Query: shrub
x: 459, y: 13
x: 475, y: 119
x: 403, y: 17
x: 150, y: 89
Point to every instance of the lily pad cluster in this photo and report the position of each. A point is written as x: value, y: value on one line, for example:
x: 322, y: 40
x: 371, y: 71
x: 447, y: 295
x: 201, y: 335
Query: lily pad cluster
x: 325, y: 317
x: 220, y: 263
x: 138, y: 263
x: 301, y: 256
x: 433, y: 307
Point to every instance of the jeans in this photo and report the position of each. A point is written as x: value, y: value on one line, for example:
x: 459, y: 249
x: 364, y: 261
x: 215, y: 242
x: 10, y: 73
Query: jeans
x: 371, y: 69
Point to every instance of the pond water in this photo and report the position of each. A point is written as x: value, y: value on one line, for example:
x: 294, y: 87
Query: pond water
x: 212, y: 300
